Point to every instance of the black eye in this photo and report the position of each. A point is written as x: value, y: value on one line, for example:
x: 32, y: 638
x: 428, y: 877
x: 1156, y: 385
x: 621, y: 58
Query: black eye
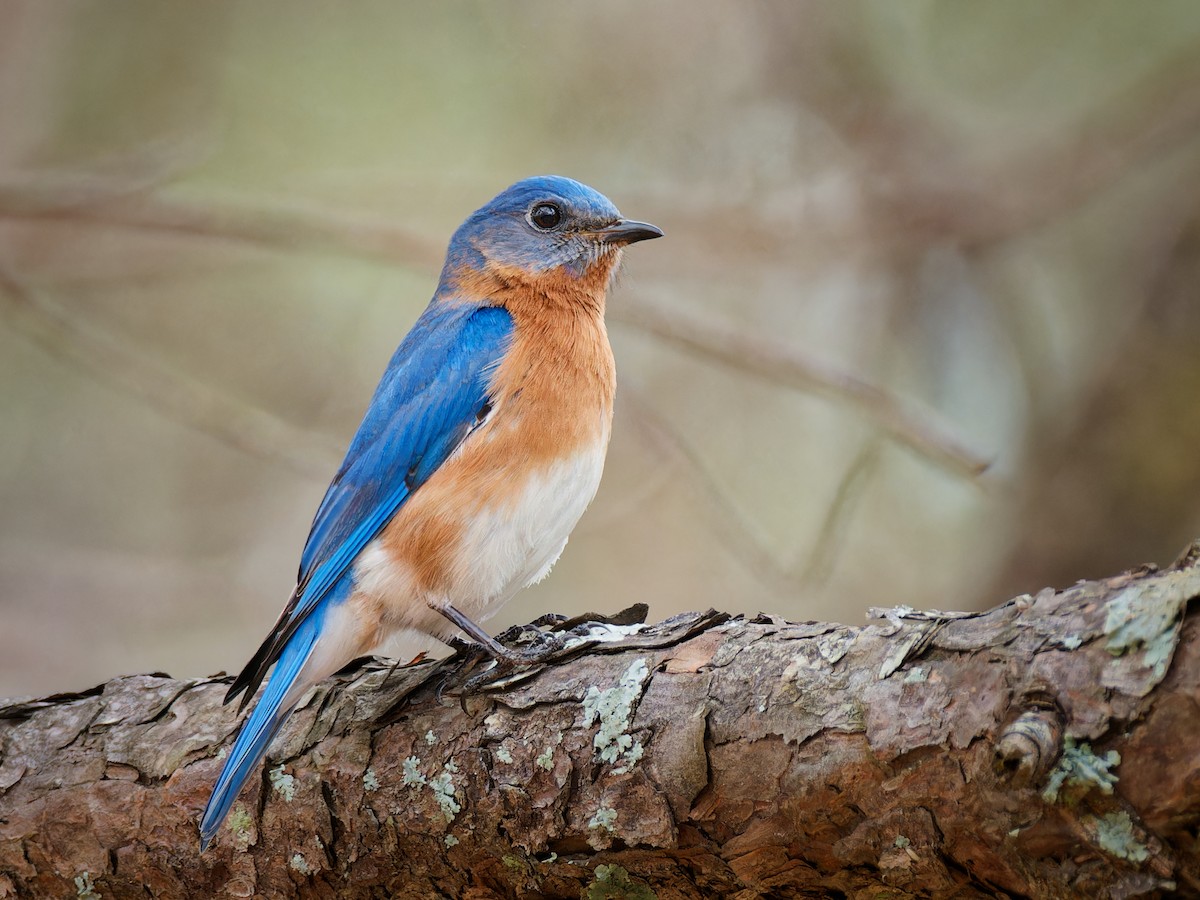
x: 545, y: 216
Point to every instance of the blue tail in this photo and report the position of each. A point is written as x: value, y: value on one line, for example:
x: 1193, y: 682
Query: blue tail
x: 265, y: 720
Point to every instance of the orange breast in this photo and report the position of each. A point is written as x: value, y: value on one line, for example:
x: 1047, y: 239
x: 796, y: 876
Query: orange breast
x: 545, y: 436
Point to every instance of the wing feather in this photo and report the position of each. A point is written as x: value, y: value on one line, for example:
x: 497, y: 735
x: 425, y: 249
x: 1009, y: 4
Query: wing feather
x: 425, y: 405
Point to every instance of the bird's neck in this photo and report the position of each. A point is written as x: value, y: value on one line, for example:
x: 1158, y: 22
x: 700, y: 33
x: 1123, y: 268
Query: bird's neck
x: 560, y: 289
x: 557, y: 377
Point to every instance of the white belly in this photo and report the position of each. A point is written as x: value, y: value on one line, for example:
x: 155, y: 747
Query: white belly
x: 506, y: 548
x: 501, y: 549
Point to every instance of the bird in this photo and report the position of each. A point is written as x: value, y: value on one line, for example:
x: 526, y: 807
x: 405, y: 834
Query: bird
x: 480, y: 449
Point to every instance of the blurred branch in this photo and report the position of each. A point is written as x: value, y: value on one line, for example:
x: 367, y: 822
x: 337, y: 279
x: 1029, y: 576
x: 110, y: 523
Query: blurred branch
x: 781, y: 363
x: 739, y: 535
x: 180, y: 397
x: 909, y: 203
x: 1153, y: 116
x: 135, y: 170
x: 958, y: 199
x: 291, y: 225
x: 826, y: 549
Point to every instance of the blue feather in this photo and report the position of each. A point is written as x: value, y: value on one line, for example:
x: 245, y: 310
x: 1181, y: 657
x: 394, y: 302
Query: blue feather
x: 427, y: 402
x: 268, y: 716
x: 424, y: 406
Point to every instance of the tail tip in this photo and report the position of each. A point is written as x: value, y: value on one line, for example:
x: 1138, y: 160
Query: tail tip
x: 210, y: 823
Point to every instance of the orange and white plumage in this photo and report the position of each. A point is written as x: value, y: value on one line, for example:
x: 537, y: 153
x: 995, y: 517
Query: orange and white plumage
x: 497, y: 514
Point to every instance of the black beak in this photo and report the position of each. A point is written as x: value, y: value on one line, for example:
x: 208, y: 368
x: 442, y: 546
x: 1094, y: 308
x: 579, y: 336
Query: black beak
x: 627, y: 231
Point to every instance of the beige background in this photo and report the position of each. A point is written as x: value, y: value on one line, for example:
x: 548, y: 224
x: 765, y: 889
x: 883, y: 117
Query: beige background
x: 218, y: 219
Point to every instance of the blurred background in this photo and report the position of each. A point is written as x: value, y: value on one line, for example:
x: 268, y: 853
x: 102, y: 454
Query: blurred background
x: 905, y: 243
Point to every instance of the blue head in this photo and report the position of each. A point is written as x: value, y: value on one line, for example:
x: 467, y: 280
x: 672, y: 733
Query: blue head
x: 544, y: 223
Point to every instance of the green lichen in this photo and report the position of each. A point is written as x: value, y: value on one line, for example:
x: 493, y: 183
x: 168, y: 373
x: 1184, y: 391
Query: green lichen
x: 1079, y: 770
x: 85, y: 889
x: 833, y: 646
x: 613, y: 883
x: 442, y: 785
x: 632, y: 756
x: 370, y: 781
x: 299, y: 864
x: 545, y: 759
x: 605, y: 818
x: 412, y: 775
x: 854, y: 717
x: 503, y: 755
x: 240, y: 824
x: 1071, y: 642
x: 614, y: 707
x: 430, y: 738
x: 282, y: 783
x: 901, y: 842
x: 450, y: 841
x: 1114, y: 834
x: 443, y: 789
x: 916, y: 675
x: 1145, y: 616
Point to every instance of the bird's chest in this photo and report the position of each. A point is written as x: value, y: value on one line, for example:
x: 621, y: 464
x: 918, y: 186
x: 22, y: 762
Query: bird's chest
x: 496, y: 515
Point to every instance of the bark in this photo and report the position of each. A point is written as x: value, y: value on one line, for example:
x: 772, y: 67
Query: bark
x: 1046, y: 748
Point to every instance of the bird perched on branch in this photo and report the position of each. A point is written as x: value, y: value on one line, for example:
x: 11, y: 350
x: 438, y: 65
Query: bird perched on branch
x: 480, y: 450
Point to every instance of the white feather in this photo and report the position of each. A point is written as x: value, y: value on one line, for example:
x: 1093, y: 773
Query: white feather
x: 500, y: 551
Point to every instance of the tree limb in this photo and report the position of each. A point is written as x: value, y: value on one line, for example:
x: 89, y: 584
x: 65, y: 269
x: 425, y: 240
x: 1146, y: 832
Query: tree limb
x: 777, y: 361
x: 1049, y: 747
x: 187, y: 400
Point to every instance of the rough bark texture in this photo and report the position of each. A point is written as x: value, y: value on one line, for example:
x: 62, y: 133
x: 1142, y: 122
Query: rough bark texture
x: 1047, y: 748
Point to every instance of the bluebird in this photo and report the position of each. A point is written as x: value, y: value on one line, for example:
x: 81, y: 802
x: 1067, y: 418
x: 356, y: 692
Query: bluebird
x: 481, y: 448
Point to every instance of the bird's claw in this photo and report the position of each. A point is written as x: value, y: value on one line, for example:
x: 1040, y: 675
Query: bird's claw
x: 529, y: 636
x: 533, y: 647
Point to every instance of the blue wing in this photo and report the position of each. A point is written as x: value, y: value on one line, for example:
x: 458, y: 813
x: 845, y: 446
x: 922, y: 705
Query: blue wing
x: 434, y: 391
x: 432, y: 394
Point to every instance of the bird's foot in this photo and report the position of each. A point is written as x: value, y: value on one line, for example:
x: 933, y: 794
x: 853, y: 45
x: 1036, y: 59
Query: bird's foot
x: 523, y: 648
x: 529, y: 643
x: 470, y: 657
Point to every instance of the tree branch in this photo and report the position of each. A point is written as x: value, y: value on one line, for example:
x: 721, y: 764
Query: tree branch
x: 265, y: 222
x: 187, y: 400
x: 1046, y: 748
x: 776, y: 361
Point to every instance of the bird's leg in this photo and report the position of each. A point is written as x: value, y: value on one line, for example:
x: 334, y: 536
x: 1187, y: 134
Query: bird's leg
x: 477, y: 634
x: 545, y: 643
